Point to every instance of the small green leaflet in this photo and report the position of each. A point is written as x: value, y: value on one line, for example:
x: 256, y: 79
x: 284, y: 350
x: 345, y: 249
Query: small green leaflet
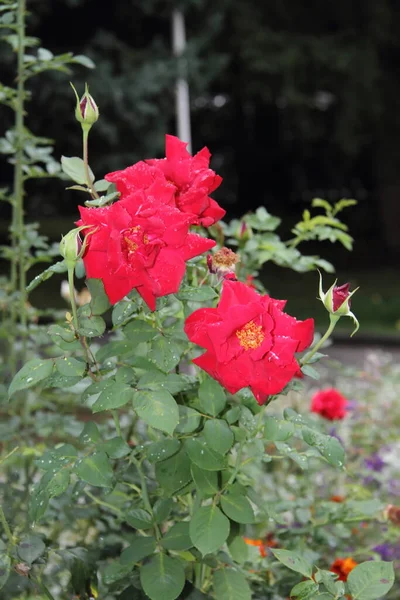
x: 32, y: 372
x: 209, y: 529
x: 157, y: 408
x: 163, y: 578
x: 230, y: 584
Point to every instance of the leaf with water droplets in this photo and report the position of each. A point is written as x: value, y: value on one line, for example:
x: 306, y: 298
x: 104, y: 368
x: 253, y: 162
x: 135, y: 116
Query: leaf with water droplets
x: 95, y: 469
x: 277, y: 430
x: 157, y: 408
x: 115, y: 396
x: 329, y: 447
x: 164, y: 353
x: 69, y: 366
x: 33, y: 372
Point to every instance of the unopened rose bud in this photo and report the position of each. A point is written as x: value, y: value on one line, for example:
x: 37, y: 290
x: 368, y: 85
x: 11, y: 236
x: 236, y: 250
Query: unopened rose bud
x: 244, y: 232
x: 337, y: 301
x: 223, y: 262
x: 71, y: 247
x: 86, y: 110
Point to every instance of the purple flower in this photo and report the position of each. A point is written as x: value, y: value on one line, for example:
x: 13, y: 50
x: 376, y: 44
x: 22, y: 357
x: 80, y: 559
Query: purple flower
x: 394, y: 487
x: 388, y: 551
x: 375, y: 463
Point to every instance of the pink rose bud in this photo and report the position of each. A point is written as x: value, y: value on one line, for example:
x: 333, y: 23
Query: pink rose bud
x: 337, y: 301
x: 86, y: 110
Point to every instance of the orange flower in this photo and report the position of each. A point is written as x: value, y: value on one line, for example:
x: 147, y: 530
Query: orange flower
x: 342, y: 567
x: 268, y: 542
x: 337, y: 499
x: 258, y: 543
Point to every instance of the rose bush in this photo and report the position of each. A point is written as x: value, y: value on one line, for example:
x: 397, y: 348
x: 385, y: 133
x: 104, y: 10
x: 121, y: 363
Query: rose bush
x: 130, y: 472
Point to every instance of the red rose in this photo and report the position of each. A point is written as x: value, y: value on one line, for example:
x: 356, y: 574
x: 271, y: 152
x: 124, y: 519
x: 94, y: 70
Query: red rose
x: 188, y: 178
x: 249, y: 340
x: 340, y: 293
x: 139, y: 243
x: 329, y: 404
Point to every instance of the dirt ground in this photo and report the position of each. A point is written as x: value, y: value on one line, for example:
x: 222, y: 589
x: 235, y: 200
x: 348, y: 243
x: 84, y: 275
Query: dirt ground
x: 355, y: 354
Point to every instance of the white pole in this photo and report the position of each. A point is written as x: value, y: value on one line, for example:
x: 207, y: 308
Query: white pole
x: 182, y: 103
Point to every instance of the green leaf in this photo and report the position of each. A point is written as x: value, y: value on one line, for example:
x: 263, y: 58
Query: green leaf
x: 138, y: 331
x: 74, y: 167
x: 174, y: 473
x: 203, y: 456
x: 163, y: 578
x: 90, y: 434
x: 230, y: 584
x: 294, y: 561
x: 32, y: 373
x: 53, y: 460
x: 329, y: 447
x: 310, y: 372
x: 177, y: 537
x: 58, y: 267
x: 189, y: 420
x: 162, y: 508
x: 277, y: 430
x: 197, y: 294
x: 206, y: 481
x: 232, y: 415
x: 237, y: 507
x: 164, y: 353
x: 157, y: 408
x: 122, y: 311
x: 113, y: 572
x: 139, y: 548
x: 139, y: 518
x: 218, y: 435
x: 30, y: 548
x: 5, y: 567
x: 290, y: 452
x: 69, y: 366
x: 116, y: 447
x: 162, y: 450
x: 153, y: 380
x: 238, y: 549
x: 212, y: 397
x: 305, y: 590
x: 95, y: 469
x: 118, y: 348
x: 115, y: 396
x: 91, y: 326
x: 328, y: 579
x: 99, y: 302
x: 371, y: 580
x: 209, y: 529
x: 58, y: 484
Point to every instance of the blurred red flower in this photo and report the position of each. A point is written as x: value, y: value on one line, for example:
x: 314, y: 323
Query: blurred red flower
x: 342, y: 567
x: 188, y: 179
x: 249, y: 341
x: 139, y: 243
x: 330, y: 404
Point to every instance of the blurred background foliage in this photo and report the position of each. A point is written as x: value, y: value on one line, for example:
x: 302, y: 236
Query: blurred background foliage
x: 294, y: 100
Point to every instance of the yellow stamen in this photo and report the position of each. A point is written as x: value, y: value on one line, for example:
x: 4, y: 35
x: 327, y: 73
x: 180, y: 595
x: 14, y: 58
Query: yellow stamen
x: 250, y: 336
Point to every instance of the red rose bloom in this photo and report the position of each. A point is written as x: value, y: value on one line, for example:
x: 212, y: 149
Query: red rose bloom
x: 249, y: 340
x: 189, y: 179
x: 329, y: 404
x: 340, y: 293
x: 139, y: 243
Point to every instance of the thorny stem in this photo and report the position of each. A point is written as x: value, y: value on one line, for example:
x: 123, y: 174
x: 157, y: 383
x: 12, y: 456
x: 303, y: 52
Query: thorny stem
x: 89, y: 182
x: 306, y: 359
